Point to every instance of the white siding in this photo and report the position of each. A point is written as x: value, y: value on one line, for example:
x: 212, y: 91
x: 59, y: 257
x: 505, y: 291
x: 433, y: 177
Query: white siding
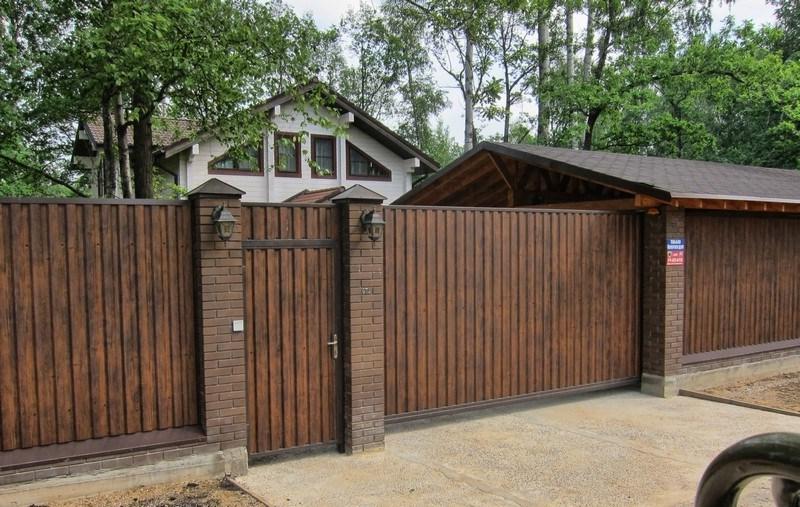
x: 254, y: 186
x: 271, y: 188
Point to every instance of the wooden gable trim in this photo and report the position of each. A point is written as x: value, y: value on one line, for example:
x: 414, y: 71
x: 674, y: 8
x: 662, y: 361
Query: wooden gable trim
x: 642, y: 201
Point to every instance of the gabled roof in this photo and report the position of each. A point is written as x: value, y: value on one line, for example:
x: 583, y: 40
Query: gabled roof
x: 361, y: 119
x: 315, y: 196
x: 359, y: 193
x: 216, y: 186
x: 660, y: 178
x: 166, y: 131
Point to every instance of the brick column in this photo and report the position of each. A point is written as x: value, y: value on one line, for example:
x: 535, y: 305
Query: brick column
x: 219, y: 302
x: 362, y: 279
x: 663, y: 304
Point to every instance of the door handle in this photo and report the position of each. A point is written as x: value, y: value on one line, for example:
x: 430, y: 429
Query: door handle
x: 335, y: 345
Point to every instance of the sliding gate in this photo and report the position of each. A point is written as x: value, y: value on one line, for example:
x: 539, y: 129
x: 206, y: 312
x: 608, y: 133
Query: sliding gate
x: 488, y: 304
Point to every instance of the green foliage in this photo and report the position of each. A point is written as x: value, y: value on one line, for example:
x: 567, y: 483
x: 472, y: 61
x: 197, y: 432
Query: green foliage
x: 165, y: 188
x: 371, y: 82
x: 441, y: 145
x: 655, y: 81
x: 211, y: 60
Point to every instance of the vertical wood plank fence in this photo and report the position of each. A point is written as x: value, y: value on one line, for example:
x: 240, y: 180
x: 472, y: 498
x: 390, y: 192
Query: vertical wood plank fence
x: 742, y: 282
x: 484, y: 304
x: 96, y: 320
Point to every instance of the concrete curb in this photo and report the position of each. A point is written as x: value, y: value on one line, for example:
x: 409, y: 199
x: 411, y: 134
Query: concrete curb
x: 46, y: 491
x: 738, y: 403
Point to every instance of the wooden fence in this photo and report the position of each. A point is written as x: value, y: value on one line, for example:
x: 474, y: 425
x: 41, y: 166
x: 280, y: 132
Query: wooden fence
x: 487, y: 304
x: 96, y: 320
x: 742, y: 283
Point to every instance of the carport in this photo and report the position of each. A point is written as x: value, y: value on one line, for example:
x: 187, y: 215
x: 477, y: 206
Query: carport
x: 720, y: 291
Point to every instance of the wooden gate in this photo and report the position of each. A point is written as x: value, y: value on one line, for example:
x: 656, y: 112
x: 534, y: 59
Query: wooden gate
x: 488, y: 304
x: 291, y: 306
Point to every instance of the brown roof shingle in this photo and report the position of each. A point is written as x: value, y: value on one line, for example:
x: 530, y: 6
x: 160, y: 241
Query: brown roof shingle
x: 679, y: 177
x: 315, y: 196
x: 166, y: 130
x: 663, y: 178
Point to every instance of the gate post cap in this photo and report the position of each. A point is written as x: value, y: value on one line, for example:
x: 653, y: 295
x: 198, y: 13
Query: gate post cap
x: 359, y: 193
x: 215, y: 187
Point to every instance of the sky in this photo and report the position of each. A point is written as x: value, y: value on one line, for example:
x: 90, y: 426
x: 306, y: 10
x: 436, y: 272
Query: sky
x: 328, y: 12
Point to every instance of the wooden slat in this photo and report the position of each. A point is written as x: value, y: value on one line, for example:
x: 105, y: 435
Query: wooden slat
x: 9, y: 397
x: 60, y: 325
x: 77, y: 321
x: 512, y: 303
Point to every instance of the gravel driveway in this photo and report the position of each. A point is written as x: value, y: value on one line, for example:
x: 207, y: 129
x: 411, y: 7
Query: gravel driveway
x: 613, y: 448
x: 780, y: 391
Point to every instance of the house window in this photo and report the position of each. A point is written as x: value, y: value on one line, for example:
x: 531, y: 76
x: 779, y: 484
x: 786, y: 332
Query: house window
x: 227, y: 164
x: 323, y: 154
x: 361, y: 166
x: 287, y: 155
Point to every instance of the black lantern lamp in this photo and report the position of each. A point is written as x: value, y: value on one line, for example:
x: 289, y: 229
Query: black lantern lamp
x: 372, y: 223
x: 224, y: 222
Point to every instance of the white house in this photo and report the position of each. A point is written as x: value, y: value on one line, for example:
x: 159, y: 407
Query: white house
x: 311, y: 167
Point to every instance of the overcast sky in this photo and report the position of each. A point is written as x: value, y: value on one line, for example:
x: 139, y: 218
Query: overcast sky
x: 329, y: 12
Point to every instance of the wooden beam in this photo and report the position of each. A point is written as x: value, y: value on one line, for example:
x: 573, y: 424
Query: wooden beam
x: 503, y: 170
x: 606, y: 204
x: 474, y: 170
x: 645, y: 201
x: 642, y: 201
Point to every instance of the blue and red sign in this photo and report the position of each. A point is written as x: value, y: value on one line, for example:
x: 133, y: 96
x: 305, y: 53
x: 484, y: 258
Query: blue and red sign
x: 676, y: 249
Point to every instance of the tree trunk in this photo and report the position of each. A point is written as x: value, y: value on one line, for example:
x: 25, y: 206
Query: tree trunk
x: 109, y: 188
x: 507, y: 117
x: 589, y: 44
x: 419, y: 123
x: 543, y: 119
x: 588, y: 135
x: 508, y: 90
x: 122, y: 149
x: 602, y: 56
x: 142, y: 149
x: 469, y: 94
x: 570, y: 49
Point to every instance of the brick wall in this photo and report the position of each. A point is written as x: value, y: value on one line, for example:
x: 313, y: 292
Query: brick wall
x: 105, y: 463
x: 220, y: 300
x: 663, y: 296
x: 363, y: 328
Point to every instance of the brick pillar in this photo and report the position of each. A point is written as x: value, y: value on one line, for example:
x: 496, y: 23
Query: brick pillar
x: 362, y: 278
x: 663, y: 304
x: 219, y: 302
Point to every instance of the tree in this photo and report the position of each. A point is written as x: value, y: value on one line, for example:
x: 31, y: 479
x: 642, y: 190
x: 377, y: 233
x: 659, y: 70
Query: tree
x: 543, y: 49
x: 35, y: 141
x: 371, y: 83
x: 420, y: 97
x: 441, y: 145
x: 513, y: 41
x: 788, y: 14
x: 210, y: 60
x: 459, y: 37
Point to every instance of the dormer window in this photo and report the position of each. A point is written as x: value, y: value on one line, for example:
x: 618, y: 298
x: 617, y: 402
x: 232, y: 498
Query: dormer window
x: 252, y: 165
x: 360, y: 166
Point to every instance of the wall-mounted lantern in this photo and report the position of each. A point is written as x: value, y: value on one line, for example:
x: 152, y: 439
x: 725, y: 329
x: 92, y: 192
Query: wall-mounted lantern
x: 372, y: 223
x: 224, y: 222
